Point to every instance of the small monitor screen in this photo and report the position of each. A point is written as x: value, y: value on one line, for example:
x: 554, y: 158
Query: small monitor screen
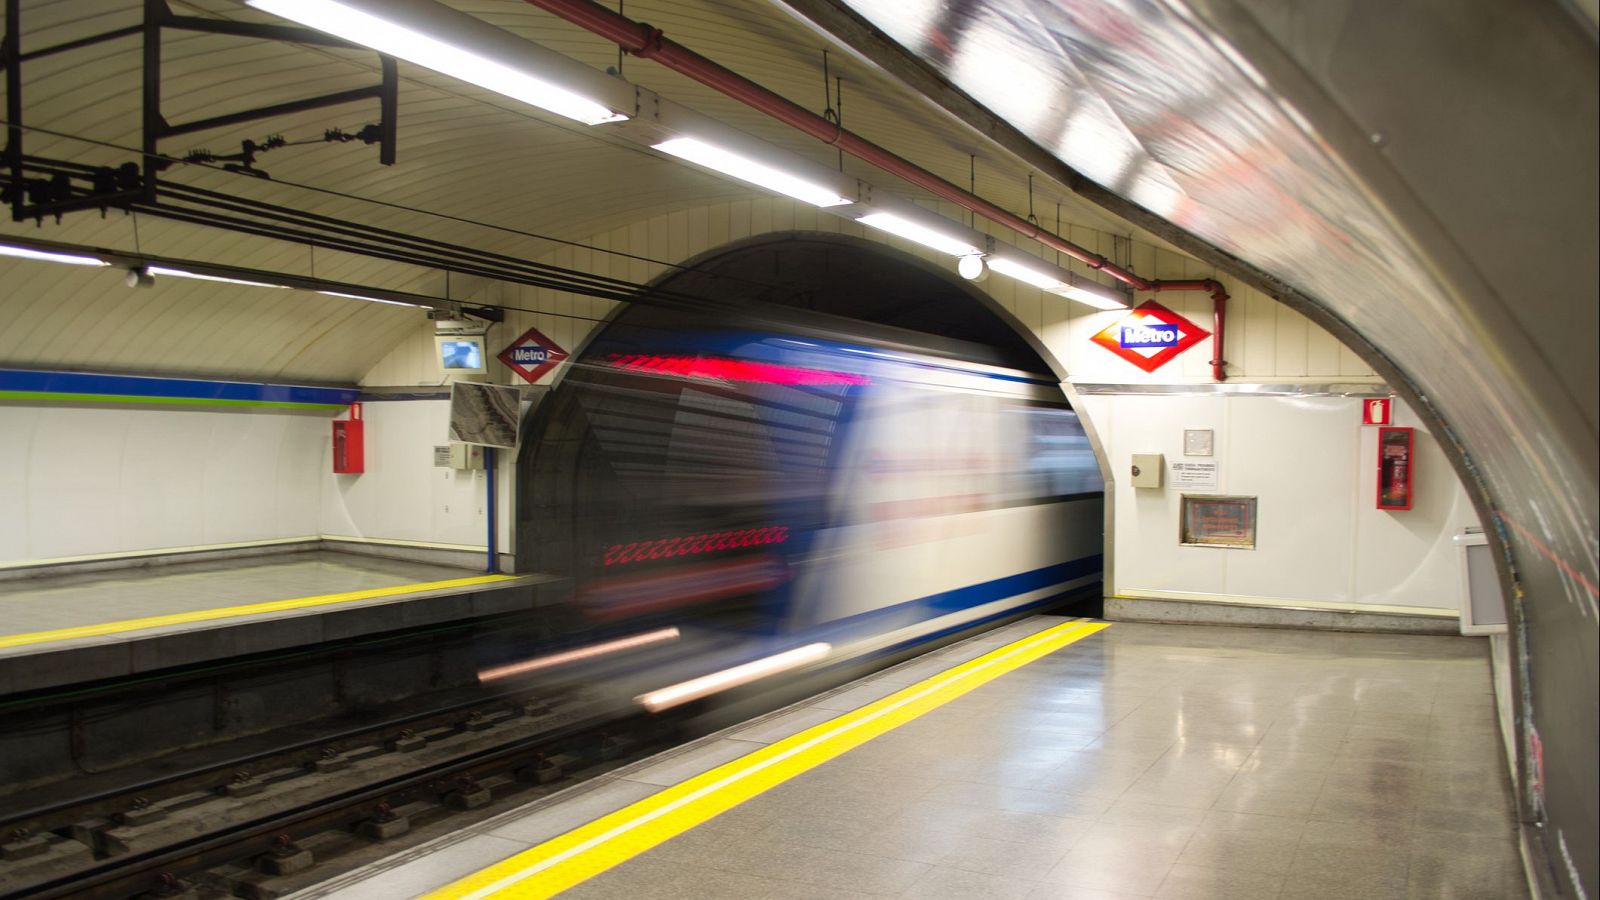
x: 461, y: 354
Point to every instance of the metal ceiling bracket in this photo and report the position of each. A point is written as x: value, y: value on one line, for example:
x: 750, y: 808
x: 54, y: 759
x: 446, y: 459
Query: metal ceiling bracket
x: 33, y: 200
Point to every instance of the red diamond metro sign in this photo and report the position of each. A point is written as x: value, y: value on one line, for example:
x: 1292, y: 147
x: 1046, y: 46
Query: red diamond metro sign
x: 1150, y: 336
x: 532, y: 355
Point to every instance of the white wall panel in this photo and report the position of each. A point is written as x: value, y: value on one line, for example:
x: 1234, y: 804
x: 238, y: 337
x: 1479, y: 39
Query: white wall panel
x: 1312, y: 466
x: 88, y: 480
x: 1297, y: 454
x: 1146, y: 536
x: 1407, y: 557
x: 401, y: 496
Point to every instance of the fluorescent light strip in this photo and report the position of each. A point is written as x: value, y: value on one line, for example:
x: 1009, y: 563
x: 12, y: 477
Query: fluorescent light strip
x: 1046, y: 282
x: 197, y: 276
x: 706, y: 685
x: 745, y: 169
x: 569, y: 656
x: 368, y: 299
x: 1093, y: 298
x: 1025, y: 273
x: 370, y: 29
x: 70, y: 259
x: 921, y: 234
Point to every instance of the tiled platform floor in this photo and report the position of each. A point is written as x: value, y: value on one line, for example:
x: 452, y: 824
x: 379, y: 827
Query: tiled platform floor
x: 1144, y: 761
x: 52, y: 602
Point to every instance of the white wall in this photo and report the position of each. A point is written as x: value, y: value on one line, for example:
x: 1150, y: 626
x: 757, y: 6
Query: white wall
x: 1313, y: 468
x: 401, y: 496
x: 84, y: 480
x: 80, y: 481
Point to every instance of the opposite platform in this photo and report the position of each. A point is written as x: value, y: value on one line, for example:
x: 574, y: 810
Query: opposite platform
x: 57, y: 630
x: 1135, y: 761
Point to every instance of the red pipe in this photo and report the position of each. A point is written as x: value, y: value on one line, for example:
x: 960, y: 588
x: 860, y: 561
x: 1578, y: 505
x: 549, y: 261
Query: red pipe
x: 1219, y: 315
x: 646, y: 42
x: 649, y: 43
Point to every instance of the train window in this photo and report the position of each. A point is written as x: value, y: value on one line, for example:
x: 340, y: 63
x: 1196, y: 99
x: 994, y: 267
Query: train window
x: 1056, y: 459
x: 691, y: 455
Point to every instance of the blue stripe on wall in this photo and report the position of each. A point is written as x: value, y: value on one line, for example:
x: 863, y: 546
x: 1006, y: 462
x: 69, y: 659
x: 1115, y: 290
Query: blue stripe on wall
x: 44, y: 382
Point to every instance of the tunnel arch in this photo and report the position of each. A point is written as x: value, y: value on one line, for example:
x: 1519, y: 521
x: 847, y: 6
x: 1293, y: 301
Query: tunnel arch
x: 846, y: 281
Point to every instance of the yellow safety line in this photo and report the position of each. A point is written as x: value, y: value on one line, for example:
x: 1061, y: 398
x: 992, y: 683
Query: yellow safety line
x: 580, y: 854
x: 249, y: 609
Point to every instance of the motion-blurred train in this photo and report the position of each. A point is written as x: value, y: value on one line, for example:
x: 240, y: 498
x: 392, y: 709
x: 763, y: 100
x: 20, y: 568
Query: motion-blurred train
x: 739, y: 494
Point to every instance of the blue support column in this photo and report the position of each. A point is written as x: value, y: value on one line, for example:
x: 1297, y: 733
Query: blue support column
x: 489, y: 463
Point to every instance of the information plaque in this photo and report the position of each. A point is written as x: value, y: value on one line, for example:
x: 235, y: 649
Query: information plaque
x: 1213, y: 521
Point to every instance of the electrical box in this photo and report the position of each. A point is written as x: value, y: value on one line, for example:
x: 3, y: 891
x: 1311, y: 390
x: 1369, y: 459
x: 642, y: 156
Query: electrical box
x: 466, y: 456
x: 349, y: 443
x: 1146, y: 470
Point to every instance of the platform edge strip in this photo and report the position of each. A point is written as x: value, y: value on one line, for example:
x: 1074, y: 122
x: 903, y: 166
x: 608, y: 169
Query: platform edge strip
x: 250, y: 609
x: 578, y: 855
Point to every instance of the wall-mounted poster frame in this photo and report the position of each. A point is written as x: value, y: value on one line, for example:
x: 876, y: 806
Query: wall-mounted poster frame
x: 1214, y: 520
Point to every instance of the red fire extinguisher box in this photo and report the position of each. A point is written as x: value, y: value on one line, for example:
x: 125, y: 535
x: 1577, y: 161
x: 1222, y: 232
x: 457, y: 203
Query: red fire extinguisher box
x: 349, y: 444
x: 1395, y: 468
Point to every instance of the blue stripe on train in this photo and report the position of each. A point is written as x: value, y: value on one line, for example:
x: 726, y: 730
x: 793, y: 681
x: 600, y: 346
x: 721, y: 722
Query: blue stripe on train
x: 947, y: 602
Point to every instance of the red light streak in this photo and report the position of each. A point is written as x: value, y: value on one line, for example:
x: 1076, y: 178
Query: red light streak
x: 612, y: 598
x: 733, y: 370
x: 694, y: 544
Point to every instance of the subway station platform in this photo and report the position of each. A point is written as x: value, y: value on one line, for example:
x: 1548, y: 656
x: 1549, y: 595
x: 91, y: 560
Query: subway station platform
x: 1052, y: 758
x: 65, y: 629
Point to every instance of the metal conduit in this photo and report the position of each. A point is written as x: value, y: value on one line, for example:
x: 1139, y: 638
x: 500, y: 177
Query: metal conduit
x: 650, y: 43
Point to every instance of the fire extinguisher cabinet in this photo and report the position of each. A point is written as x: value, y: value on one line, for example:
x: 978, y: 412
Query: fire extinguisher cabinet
x: 349, y: 444
x: 1396, y: 466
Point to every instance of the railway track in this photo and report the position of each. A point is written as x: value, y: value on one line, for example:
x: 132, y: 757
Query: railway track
x: 303, y: 813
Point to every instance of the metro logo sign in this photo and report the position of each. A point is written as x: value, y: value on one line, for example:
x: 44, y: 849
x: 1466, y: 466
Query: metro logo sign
x: 1151, y: 336
x: 1145, y: 335
x: 532, y: 355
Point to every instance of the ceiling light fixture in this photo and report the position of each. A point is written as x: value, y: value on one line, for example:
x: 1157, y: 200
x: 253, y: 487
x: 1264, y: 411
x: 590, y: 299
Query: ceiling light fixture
x: 1102, y: 299
x: 71, y: 259
x: 368, y: 299
x: 1088, y: 293
x: 455, y: 44
x: 921, y: 234
x: 744, y: 168
x: 1042, y: 280
x: 199, y: 276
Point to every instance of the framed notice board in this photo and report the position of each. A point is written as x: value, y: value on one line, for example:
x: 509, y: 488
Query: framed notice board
x: 1209, y: 520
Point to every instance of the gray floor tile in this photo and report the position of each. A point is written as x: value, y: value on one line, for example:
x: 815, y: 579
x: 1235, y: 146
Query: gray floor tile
x: 839, y: 869
x: 1049, y: 891
x: 1026, y: 861
x: 1243, y: 851
x: 1188, y: 882
x: 785, y: 725
x: 1128, y: 873
x: 658, y: 879
x: 858, y: 696
x: 671, y: 768
x: 1139, y: 812
x: 943, y: 883
x: 567, y: 811
x: 416, y: 872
